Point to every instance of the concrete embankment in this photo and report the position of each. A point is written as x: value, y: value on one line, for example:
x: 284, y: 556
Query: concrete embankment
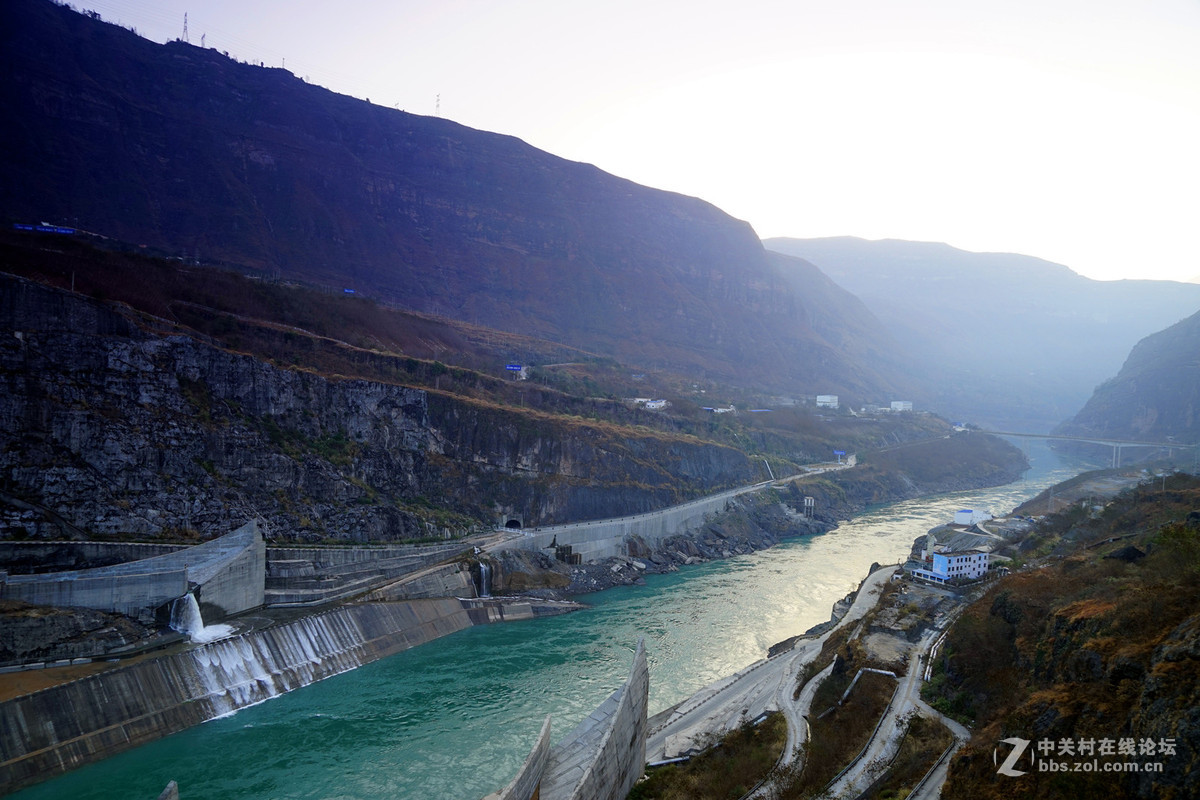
x: 606, y: 538
x: 601, y: 758
x: 63, y: 727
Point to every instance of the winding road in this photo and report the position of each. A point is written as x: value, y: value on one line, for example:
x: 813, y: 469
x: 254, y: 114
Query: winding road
x: 768, y: 685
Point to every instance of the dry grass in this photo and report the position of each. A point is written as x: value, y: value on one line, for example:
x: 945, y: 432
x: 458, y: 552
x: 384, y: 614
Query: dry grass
x: 837, y: 736
x: 924, y: 742
x: 727, y: 770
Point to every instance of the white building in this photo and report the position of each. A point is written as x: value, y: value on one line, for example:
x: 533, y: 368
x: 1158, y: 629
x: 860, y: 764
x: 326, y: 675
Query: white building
x: 827, y: 401
x: 968, y: 516
x: 902, y: 405
x: 948, y: 567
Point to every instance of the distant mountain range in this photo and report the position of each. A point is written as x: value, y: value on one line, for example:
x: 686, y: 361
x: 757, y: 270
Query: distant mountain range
x: 194, y: 155
x: 1156, y: 394
x: 1005, y: 339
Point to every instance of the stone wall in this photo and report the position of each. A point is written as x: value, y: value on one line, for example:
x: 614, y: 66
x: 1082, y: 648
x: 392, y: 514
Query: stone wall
x: 63, y: 727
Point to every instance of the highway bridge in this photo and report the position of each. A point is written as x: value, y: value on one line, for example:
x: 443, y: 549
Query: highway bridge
x: 1115, y: 444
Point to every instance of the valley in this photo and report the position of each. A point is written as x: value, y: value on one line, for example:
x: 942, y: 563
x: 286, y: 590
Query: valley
x: 353, y: 452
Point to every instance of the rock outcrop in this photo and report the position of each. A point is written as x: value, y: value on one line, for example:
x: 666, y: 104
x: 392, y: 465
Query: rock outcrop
x: 116, y: 425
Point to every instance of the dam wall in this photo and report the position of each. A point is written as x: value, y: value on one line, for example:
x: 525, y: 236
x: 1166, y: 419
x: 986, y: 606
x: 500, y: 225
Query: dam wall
x: 601, y: 758
x: 228, y: 573
x: 57, y: 729
x: 594, y: 541
x: 63, y: 556
x: 446, y: 580
x: 525, y: 785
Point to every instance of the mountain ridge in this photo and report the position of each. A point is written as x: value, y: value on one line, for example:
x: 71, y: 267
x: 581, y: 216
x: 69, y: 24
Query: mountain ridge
x: 1015, y: 338
x: 1156, y: 394
x: 184, y: 150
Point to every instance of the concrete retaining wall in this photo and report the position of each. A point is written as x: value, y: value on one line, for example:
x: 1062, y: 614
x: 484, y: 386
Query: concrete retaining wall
x: 605, y: 755
x: 447, y: 580
x: 62, y: 556
x: 57, y: 729
x: 136, y: 595
x: 229, y: 571
x: 525, y: 785
x: 298, y: 576
x: 594, y: 541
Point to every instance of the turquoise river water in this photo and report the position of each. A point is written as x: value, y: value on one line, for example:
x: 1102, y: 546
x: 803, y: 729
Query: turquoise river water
x: 455, y: 718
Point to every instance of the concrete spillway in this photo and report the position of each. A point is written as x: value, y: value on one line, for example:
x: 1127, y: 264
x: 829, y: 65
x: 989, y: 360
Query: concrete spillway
x: 63, y: 727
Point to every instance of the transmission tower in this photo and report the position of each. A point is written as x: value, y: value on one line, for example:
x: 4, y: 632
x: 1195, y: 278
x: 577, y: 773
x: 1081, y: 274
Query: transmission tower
x: 185, y: 35
x: 437, y: 106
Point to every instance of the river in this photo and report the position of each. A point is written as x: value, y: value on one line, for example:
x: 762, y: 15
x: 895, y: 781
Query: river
x: 456, y: 717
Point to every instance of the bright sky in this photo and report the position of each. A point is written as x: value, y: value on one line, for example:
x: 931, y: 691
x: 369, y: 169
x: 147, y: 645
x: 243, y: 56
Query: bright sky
x: 1063, y: 129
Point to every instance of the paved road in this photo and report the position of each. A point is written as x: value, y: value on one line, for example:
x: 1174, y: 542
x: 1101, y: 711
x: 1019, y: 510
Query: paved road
x: 886, y: 741
x: 766, y: 685
x: 501, y: 539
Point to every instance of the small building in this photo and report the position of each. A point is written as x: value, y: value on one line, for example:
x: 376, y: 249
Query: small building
x: 902, y: 405
x: 968, y: 516
x: 827, y: 401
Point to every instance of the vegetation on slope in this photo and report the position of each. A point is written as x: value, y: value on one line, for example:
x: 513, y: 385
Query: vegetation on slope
x: 729, y: 768
x: 1098, y: 644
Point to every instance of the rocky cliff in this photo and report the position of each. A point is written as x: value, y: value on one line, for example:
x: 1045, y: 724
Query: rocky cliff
x: 1154, y: 397
x: 115, y: 424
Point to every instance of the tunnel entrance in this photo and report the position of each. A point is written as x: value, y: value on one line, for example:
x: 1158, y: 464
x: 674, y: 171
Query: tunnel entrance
x: 513, y: 524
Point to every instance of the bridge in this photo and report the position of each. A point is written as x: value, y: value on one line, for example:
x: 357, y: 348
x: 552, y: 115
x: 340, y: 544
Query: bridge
x: 1115, y: 444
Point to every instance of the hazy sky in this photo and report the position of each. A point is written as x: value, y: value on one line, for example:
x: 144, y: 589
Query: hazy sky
x: 1064, y: 129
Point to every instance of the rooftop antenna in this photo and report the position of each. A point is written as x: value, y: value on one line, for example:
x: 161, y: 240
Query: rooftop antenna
x: 185, y: 35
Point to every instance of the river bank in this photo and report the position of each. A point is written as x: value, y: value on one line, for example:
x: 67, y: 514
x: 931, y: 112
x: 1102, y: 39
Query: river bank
x: 452, y: 695
x: 756, y: 521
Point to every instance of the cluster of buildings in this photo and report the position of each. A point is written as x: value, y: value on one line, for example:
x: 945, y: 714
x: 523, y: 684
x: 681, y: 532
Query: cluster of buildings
x: 957, y: 553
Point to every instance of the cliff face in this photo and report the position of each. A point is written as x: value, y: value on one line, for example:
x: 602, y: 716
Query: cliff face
x: 945, y: 464
x: 115, y: 425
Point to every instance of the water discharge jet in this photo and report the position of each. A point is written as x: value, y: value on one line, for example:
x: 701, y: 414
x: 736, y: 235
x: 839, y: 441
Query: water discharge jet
x: 186, y: 618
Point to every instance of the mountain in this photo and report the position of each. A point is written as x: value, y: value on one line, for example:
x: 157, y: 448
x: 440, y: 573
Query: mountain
x: 1008, y: 339
x: 1156, y: 394
x: 188, y: 153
